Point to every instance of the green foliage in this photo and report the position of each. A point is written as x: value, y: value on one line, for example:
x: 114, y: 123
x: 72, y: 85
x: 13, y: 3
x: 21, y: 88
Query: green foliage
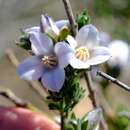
x: 76, y: 123
x: 82, y: 19
x: 108, y: 8
x: 64, y: 32
x: 119, y: 122
x: 24, y: 41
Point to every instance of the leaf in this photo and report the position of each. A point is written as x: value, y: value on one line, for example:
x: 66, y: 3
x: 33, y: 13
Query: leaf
x: 82, y: 19
x: 64, y: 33
x: 84, y: 125
x: 24, y: 42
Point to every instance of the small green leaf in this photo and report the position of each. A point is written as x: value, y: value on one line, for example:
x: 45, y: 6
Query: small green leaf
x: 83, y: 19
x: 84, y: 125
x: 64, y: 33
x: 24, y: 42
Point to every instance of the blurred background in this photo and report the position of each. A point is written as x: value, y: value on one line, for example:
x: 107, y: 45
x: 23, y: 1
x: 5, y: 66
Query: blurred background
x: 112, y: 17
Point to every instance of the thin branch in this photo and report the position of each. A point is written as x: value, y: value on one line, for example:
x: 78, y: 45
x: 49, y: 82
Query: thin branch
x: 18, y: 101
x: 114, y: 80
x: 70, y: 15
x: 92, y: 93
x: 93, y: 98
x: 13, y: 98
x: 35, y: 85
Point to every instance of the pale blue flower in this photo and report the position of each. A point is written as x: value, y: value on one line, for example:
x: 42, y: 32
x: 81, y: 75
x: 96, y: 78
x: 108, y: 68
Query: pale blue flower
x: 87, y: 52
x: 48, y: 62
x: 47, y: 25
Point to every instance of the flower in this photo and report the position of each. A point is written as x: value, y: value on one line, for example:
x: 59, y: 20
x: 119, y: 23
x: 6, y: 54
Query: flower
x: 48, y: 25
x: 47, y: 63
x: 120, y: 53
x: 86, y: 49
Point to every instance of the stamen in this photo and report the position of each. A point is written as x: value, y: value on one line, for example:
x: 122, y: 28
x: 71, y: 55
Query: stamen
x: 49, y: 61
x: 82, y: 53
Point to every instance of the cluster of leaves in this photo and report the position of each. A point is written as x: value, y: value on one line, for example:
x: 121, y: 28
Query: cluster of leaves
x: 82, y: 19
x: 24, y: 41
x: 76, y: 123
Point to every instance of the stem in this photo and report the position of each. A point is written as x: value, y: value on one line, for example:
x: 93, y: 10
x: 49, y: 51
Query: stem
x: 70, y: 15
x: 114, y: 80
x: 92, y: 96
x: 62, y: 120
x: 13, y: 98
x: 74, y: 30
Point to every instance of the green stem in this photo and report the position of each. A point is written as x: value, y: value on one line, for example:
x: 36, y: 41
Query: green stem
x: 62, y: 120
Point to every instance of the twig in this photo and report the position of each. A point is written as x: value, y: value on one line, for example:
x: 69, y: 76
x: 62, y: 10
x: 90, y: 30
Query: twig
x: 92, y: 93
x: 93, y: 98
x: 18, y: 101
x: 74, y: 30
x: 114, y: 80
x: 35, y: 86
x: 70, y: 15
x: 12, y: 97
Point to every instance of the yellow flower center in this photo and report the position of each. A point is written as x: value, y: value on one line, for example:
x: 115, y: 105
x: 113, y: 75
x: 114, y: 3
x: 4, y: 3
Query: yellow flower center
x: 82, y: 53
x: 49, y: 61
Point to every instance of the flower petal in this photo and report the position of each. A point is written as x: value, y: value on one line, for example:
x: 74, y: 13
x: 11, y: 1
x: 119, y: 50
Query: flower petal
x: 62, y: 23
x: 64, y: 53
x: 78, y: 64
x: 53, y: 79
x: 94, y: 117
x: 41, y: 43
x: 71, y: 41
x: 32, y: 29
x: 48, y: 24
x: 30, y: 69
x: 44, y: 24
x: 87, y: 36
x: 99, y: 55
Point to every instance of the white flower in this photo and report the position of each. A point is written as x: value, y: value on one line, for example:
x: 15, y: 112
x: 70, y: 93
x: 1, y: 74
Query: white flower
x: 120, y: 53
x: 86, y: 50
